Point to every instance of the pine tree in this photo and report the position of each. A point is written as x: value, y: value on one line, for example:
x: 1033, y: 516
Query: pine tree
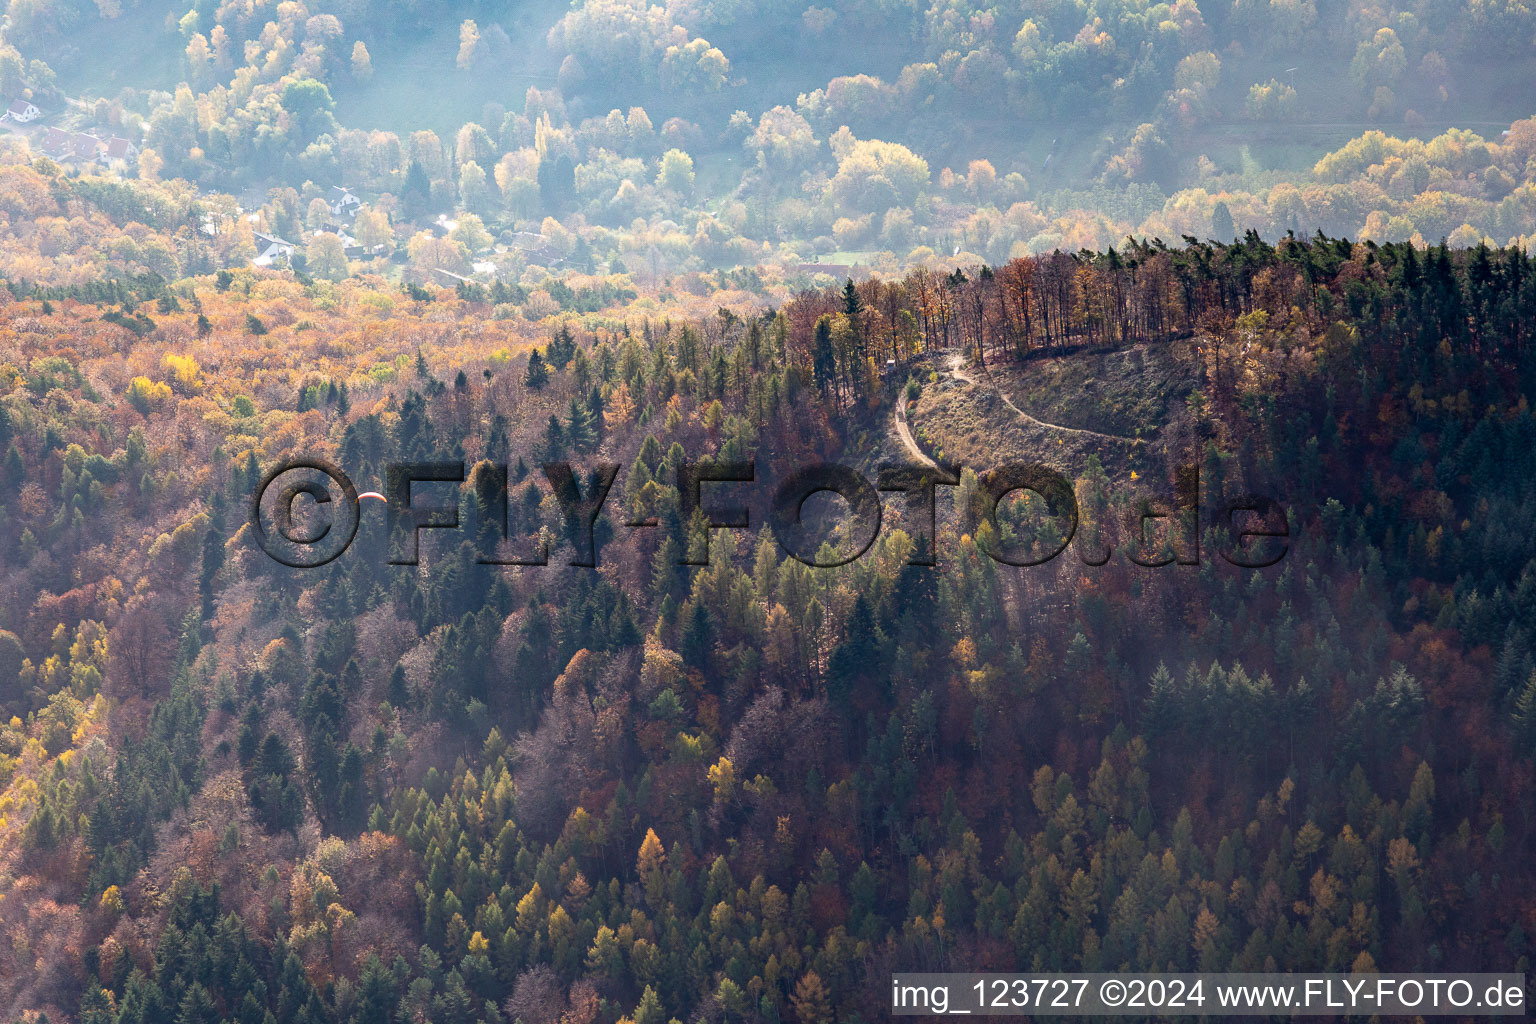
x: 581, y: 430
x: 812, y: 1003
x: 398, y: 692
x: 1222, y: 228
x: 538, y: 372
x: 1525, y: 714
x: 554, y: 439
x: 852, y: 307
x: 697, y: 637
x: 213, y: 561
x: 562, y: 348
x: 15, y: 469
x: 416, y: 195
x: 650, y: 1010
x: 823, y: 359
x: 851, y: 302
x: 595, y: 408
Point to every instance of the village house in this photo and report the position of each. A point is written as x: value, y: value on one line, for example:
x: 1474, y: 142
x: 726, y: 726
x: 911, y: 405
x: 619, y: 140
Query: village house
x: 270, y: 249
x: 119, y: 149
x: 86, y: 148
x: 344, y: 203
x: 536, y: 249
x: 355, y: 250
x: 22, y: 112
x: 56, y: 141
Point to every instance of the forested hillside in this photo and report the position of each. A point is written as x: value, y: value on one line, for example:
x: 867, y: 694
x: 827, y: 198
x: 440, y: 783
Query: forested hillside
x: 621, y: 138
x: 1245, y: 280
x: 748, y: 790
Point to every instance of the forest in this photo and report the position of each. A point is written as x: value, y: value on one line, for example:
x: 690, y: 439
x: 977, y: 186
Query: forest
x: 649, y: 143
x: 1245, y: 284
x: 749, y: 789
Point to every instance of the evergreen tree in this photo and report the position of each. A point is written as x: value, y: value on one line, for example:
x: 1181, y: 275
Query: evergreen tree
x: 562, y: 348
x: 213, y: 561
x: 823, y: 358
x: 398, y: 690
x: 416, y: 194
x: 697, y: 638
x: 538, y: 372
x: 1525, y: 714
x: 581, y: 427
x: 1222, y: 228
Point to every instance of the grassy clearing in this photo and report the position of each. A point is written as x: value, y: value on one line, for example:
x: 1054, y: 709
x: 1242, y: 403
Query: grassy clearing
x: 1131, y: 392
x: 1138, y: 393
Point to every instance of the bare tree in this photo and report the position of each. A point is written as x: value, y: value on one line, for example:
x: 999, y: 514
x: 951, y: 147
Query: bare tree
x: 141, y: 647
x: 537, y: 998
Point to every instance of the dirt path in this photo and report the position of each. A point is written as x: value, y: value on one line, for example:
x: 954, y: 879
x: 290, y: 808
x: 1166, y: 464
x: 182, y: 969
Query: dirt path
x: 904, y: 432
x: 956, y: 370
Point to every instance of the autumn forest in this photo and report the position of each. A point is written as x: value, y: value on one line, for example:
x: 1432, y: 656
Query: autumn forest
x: 1252, y: 689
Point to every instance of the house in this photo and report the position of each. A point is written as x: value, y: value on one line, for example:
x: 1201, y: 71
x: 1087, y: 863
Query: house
x: 22, y: 112
x: 86, y: 148
x: 56, y: 141
x: 536, y: 249
x: 119, y: 149
x: 355, y: 250
x: 343, y: 202
x: 270, y: 249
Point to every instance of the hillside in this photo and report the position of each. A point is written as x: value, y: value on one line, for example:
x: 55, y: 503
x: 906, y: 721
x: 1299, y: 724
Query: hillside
x: 1124, y: 407
x: 751, y: 789
x: 614, y: 137
x: 616, y: 512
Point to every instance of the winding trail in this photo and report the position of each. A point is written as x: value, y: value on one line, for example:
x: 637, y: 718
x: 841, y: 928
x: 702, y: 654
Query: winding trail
x: 954, y: 366
x: 957, y: 361
x: 904, y: 432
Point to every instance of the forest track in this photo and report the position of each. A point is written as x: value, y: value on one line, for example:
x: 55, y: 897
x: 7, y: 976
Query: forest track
x: 955, y: 368
x: 904, y: 433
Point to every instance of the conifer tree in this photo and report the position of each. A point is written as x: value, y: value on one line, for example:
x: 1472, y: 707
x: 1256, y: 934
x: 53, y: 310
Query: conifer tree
x: 538, y: 372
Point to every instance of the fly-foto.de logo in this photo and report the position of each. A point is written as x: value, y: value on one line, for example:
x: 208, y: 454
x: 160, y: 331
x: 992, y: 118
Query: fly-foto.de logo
x: 305, y: 513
